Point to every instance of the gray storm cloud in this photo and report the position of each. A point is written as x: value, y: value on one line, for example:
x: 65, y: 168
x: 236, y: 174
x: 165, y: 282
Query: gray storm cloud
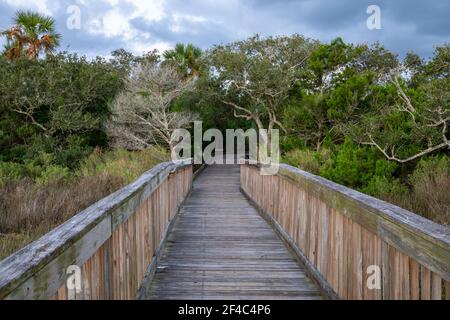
x: 138, y: 26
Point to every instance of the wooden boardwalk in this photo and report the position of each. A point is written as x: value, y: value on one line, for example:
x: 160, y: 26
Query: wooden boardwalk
x: 221, y: 248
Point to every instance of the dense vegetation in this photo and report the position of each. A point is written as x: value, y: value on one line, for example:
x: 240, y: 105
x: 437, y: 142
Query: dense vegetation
x: 73, y: 130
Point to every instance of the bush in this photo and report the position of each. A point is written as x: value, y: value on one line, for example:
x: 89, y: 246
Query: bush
x: 431, y: 186
x: 41, y: 170
x: 390, y: 190
x: 381, y: 186
x: 355, y: 166
x: 53, y: 173
x: 67, y: 97
x: 308, y: 160
x: 11, y: 171
x: 291, y: 143
x: 121, y: 163
x: 428, y: 194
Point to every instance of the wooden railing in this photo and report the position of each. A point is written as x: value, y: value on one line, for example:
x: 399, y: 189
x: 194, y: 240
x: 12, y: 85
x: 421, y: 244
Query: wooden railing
x: 113, y: 244
x: 355, y: 246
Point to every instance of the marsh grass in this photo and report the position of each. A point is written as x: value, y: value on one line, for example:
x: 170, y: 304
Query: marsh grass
x: 29, y: 208
x: 429, y: 194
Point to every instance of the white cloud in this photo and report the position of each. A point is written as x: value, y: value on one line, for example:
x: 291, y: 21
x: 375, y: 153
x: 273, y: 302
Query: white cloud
x: 141, y: 25
x: 115, y: 23
x: 187, y: 17
x: 140, y: 47
x: 39, y: 5
x: 150, y: 10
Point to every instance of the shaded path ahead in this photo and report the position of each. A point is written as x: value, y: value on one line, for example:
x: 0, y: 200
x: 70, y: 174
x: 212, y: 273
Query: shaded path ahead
x: 221, y: 248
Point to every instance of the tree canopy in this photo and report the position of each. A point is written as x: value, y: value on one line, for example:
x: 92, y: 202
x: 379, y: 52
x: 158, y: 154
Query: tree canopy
x: 185, y: 58
x: 354, y: 113
x: 254, y: 77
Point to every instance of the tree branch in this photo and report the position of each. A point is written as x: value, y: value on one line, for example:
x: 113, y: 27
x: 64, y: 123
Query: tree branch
x: 392, y: 157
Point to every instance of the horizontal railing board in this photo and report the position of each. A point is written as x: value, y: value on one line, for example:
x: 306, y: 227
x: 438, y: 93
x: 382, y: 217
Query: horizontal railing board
x: 420, y: 238
x: 311, y: 269
x: 59, y: 244
x: 326, y: 230
x: 48, y: 280
x: 128, y: 206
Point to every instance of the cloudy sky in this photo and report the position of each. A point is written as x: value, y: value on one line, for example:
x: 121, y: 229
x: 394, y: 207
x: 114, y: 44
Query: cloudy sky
x: 142, y: 25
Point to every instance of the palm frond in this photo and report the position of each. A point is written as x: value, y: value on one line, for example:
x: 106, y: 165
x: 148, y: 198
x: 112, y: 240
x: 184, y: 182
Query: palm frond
x: 32, y: 34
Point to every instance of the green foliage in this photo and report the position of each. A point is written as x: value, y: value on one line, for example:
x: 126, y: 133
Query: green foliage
x: 431, y: 183
x: 356, y: 166
x: 289, y: 143
x: 348, y: 112
x: 408, y: 117
x: 31, y: 34
x: 121, y: 163
x: 427, y: 192
x: 308, y: 160
x: 431, y: 169
x: 383, y: 187
x: 125, y: 62
x: 338, y: 86
x: 185, y: 58
x: 253, y: 77
x: 11, y: 171
x: 56, y: 105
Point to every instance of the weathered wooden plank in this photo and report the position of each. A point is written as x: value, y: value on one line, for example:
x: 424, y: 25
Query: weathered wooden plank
x: 46, y: 281
x: 436, y: 287
x: 38, y: 270
x: 419, y: 238
x: 447, y: 290
x: 221, y: 247
x: 425, y: 283
x: 357, y: 272
x: 395, y: 237
x: 415, y: 280
x: 323, y: 234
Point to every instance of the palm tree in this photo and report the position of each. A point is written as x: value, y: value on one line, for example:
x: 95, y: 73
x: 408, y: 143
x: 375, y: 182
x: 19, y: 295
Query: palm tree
x: 186, y: 58
x: 31, y: 35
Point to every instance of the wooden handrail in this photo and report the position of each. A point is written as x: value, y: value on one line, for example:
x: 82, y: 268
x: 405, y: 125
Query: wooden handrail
x: 113, y: 242
x: 341, y: 232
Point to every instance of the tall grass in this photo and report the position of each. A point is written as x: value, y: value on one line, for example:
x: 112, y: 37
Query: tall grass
x: 29, y: 208
x: 429, y: 192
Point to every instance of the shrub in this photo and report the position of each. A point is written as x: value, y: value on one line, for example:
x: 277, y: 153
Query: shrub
x: 290, y: 143
x: 428, y: 193
x: 122, y: 163
x: 53, y: 173
x: 390, y: 190
x: 431, y: 185
x: 67, y: 97
x: 355, y: 166
x: 10, y: 171
x: 308, y: 160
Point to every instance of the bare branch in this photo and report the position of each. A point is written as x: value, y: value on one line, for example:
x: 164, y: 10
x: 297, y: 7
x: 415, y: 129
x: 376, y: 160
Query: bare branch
x: 33, y: 120
x: 143, y: 114
x: 392, y: 156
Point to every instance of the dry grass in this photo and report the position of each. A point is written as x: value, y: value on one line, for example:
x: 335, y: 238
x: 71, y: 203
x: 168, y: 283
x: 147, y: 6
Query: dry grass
x: 430, y: 194
x: 29, y: 209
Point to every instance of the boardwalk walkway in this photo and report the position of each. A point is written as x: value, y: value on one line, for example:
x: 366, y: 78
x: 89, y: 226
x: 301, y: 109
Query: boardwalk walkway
x: 221, y: 248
